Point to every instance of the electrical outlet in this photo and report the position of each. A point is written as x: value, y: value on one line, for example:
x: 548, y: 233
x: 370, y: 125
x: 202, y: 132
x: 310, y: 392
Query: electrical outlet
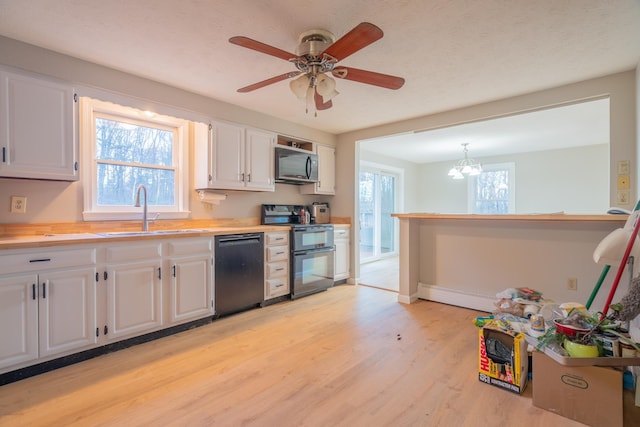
x: 572, y: 284
x: 18, y: 204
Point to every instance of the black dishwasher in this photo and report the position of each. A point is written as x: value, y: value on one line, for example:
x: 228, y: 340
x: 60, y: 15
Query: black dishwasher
x: 239, y: 272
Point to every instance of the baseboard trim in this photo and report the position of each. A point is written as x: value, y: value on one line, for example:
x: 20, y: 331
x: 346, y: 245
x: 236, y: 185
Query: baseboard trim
x: 404, y: 299
x: 456, y: 297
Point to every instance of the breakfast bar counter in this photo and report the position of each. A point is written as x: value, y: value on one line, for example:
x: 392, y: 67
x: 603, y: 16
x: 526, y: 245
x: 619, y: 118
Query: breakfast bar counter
x: 465, y: 260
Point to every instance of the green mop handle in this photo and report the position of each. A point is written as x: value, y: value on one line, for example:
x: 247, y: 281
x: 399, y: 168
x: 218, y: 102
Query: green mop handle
x: 605, y: 270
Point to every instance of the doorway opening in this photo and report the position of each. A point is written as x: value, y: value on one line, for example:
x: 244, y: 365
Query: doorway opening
x: 379, y: 195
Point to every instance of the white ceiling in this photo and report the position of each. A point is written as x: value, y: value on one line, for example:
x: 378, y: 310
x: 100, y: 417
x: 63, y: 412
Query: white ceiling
x: 452, y: 53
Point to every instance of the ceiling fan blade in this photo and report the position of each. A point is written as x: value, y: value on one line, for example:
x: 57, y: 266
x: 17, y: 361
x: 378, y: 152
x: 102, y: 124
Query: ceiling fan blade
x: 261, y: 47
x: 361, y: 36
x: 368, y: 77
x: 320, y: 105
x: 267, y: 82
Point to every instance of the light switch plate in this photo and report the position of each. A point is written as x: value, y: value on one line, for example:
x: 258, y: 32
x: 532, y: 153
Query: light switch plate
x: 623, y: 167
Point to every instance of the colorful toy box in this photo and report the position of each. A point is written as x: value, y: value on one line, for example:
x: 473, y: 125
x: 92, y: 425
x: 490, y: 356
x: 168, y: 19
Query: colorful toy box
x: 502, y: 358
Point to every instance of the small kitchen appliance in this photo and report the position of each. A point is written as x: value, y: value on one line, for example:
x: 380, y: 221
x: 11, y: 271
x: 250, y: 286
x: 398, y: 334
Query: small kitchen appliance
x: 320, y: 213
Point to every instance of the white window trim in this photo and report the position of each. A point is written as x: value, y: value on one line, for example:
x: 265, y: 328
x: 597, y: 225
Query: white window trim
x: 93, y: 212
x: 471, y: 184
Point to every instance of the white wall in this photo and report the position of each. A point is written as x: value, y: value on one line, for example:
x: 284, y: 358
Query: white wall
x: 49, y: 201
x: 573, y: 180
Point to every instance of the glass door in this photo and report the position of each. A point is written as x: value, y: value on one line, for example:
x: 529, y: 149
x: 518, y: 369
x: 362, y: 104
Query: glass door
x: 378, y: 199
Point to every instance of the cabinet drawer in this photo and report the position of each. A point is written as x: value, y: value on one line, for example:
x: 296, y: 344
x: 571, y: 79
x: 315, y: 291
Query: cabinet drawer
x: 277, y: 253
x: 276, y: 269
x: 183, y: 246
x: 277, y: 287
x: 340, y: 233
x: 277, y: 238
x: 45, y: 260
x: 133, y: 252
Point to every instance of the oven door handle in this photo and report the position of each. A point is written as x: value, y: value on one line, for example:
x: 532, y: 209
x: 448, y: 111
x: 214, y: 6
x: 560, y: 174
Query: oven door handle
x: 315, y: 251
x: 313, y: 229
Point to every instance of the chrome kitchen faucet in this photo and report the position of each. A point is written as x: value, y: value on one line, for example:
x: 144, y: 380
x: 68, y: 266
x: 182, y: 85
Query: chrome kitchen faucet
x: 145, y: 222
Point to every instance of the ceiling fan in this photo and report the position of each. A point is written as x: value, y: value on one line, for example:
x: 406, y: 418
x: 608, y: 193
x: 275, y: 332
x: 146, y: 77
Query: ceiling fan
x: 318, y: 53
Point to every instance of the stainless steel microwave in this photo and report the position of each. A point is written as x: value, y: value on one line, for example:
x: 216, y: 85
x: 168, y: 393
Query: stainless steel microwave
x: 296, y: 166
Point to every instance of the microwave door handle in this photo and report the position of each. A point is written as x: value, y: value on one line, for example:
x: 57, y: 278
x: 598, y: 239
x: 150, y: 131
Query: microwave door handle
x: 308, y: 167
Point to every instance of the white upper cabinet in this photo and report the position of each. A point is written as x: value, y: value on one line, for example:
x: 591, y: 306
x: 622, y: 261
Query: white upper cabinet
x: 38, y: 122
x: 237, y: 158
x: 259, y: 160
x: 326, y: 172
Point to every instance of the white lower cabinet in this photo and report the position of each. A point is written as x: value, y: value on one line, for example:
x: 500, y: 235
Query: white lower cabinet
x: 49, y: 310
x: 67, y: 310
x: 18, y: 320
x: 133, y: 276
x: 190, y: 288
x: 342, y: 258
x: 276, y: 264
x: 63, y: 300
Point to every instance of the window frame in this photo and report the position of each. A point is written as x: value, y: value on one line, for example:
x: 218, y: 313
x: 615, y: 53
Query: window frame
x: 90, y: 109
x: 473, y: 182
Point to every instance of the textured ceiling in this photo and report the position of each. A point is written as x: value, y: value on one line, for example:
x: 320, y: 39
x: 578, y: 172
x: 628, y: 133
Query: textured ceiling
x: 452, y: 53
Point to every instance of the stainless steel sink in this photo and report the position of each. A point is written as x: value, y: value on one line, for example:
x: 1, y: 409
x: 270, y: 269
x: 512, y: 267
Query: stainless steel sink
x: 149, y: 233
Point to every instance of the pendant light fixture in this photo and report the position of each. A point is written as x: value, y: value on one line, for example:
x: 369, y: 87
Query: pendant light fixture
x: 466, y: 166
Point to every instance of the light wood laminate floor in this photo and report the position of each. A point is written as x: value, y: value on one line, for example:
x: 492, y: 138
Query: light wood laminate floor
x: 351, y: 356
x: 382, y: 273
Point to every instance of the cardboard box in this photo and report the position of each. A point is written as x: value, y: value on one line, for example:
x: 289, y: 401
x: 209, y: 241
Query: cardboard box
x: 502, y: 358
x: 585, y: 361
x: 591, y: 395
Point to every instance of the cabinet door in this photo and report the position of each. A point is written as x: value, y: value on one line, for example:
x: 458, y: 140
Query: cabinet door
x: 38, y: 121
x: 227, y: 164
x: 134, y: 299
x: 341, y: 264
x: 259, y: 160
x: 190, y: 288
x: 18, y: 320
x: 67, y: 310
x: 326, y: 172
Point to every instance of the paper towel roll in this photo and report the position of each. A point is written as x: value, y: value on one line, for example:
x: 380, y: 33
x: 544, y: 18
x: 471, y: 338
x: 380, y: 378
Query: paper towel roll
x: 211, y: 198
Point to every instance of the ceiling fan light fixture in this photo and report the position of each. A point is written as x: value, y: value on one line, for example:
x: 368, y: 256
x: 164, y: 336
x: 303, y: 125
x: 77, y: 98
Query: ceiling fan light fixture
x: 318, y: 53
x: 299, y: 86
x: 326, y: 87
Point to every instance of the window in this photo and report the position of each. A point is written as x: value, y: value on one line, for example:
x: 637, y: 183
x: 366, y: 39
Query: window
x: 126, y: 147
x: 493, y: 191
